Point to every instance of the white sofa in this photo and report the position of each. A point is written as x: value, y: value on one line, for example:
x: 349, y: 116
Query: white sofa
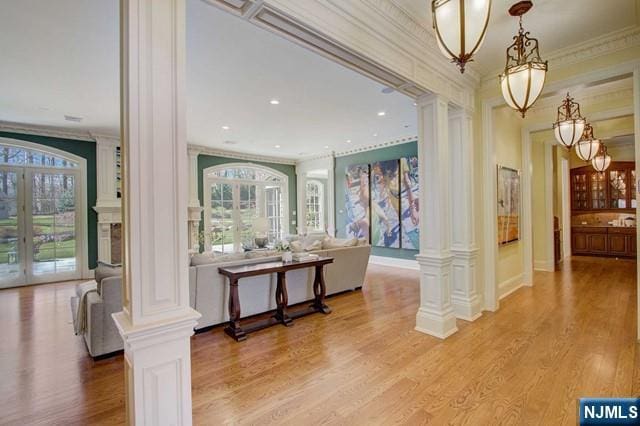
x: 209, y: 291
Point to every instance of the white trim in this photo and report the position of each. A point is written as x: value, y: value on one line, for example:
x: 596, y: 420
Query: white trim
x: 203, y: 150
x: 394, y: 262
x: 548, y: 202
x: 565, y: 185
x: 510, y: 286
x: 377, y: 146
x: 29, y: 129
x: 543, y: 266
x: 527, y: 210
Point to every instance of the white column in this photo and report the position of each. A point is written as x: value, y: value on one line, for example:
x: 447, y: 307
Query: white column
x: 331, y: 198
x: 156, y: 322
x: 301, y: 213
x: 467, y: 304
x: 435, y: 316
x: 108, y: 205
x: 194, y: 209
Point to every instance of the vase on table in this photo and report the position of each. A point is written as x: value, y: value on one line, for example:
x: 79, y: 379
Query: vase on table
x: 287, y: 256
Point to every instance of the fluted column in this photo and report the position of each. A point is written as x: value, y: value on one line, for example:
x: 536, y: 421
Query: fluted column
x: 156, y: 321
x: 435, y: 315
x: 466, y: 301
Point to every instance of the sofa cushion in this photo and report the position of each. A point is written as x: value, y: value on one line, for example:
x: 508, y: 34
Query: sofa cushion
x: 331, y: 243
x: 202, y: 259
x: 106, y: 270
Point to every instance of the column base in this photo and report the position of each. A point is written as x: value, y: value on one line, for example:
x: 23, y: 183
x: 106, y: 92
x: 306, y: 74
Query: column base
x: 467, y: 305
x: 436, y: 324
x: 467, y: 309
x: 158, y: 369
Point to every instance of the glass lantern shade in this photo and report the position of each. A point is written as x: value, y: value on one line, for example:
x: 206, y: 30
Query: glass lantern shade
x: 602, y: 160
x: 521, y: 85
x: 460, y: 27
x: 569, y: 132
x: 586, y: 150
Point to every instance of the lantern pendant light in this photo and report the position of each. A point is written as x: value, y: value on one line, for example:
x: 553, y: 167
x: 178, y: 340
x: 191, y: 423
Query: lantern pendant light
x: 570, y: 125
x: 588, y: 146
x: 460, y: 27
x: 602, y: 160
x: 525, y: 71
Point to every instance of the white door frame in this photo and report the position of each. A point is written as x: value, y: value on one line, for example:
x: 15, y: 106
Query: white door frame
x: 565, y: 169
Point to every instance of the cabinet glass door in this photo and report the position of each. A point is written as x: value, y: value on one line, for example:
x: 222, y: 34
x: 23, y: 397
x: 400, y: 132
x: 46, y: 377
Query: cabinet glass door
x: 12, y: 266
x: 580, y: 191
x: 598, y: 190
x: 618, y: 182
x: 633, y: 189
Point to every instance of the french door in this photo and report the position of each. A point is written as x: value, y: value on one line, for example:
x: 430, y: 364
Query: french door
x: 234, y: 207
x: 39, y: 225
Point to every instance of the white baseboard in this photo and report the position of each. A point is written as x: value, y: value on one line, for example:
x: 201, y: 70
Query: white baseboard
x: 511, y: 285
x: 396, y: 263
x: 544, y: 265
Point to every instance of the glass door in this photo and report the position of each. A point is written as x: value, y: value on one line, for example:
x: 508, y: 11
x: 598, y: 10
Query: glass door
x: 248, y: 213
x: 12, y: 265
x: 221, y: 222
x: 52, y: 241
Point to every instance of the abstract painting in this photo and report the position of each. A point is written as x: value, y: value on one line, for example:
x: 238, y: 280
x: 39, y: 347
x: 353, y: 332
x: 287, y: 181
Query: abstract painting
x: 385, y: 204
x: 410, y: 203
x: 357, y: 201
x: 508, y: 205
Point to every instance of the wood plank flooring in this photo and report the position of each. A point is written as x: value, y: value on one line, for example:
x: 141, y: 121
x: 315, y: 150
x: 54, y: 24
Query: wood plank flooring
x: 573, y: 334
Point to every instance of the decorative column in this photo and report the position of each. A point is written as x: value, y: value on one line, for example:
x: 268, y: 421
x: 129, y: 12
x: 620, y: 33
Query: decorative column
x: 108, y: 206
x: 195, y: 209
x: 330, y: 193
x: 301, y: 214
x: 435, y: 316
x: 156, y: 322
x: 467, y: 304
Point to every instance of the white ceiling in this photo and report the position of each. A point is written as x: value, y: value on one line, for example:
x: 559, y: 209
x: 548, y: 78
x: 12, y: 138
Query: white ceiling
x: 555, y: 23
x: 61, y: 58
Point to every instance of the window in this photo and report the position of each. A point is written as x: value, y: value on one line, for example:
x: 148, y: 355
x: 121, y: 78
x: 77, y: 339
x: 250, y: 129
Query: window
x: 19, y: 156
x: 314, y: 204
x: 238, y: 196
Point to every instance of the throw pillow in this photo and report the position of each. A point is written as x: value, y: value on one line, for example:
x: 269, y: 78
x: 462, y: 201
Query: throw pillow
x: 106, y: 270
x: 202, y: 259
x: 296, y: 246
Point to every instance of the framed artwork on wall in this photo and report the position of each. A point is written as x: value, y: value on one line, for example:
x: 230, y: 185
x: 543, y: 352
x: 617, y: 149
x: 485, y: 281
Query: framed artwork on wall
x: 385, y: 204
x: 410, y: 203
x: 357, y: 202
x: 508, y: 205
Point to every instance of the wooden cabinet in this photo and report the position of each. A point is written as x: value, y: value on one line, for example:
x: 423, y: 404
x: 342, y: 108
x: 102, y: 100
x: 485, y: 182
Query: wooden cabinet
x: 603, y: 241
x: 612, y: 190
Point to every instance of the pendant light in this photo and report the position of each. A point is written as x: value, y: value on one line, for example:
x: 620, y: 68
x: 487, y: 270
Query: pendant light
x: 570, y: 125
x: 525, y: 71
x: 588, y: 146
x: 602, y: 160
x: 460, y: 27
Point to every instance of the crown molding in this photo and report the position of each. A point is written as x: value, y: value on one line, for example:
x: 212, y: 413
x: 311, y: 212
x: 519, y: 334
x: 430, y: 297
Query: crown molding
x: 204, y: 150
x: 27, y: 129
x: 376, y: 146
x: 587, y: 50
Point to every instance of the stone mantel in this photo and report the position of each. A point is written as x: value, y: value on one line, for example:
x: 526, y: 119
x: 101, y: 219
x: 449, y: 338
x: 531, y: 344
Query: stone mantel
x: 109, y: 213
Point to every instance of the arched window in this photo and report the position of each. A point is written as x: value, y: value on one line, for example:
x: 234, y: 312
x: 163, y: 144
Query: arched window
x: 242, y: 202
x: 315, y: 205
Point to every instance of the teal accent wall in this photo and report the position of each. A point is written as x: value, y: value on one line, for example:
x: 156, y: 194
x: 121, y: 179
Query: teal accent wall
x: 369, y: 157
x: 86, y: 150
x: 206, y: 161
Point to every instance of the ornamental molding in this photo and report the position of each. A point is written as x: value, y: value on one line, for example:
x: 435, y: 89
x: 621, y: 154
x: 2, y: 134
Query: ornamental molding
x: 27, y: 129
x: 581, y: 52
x: 203, y: 150
x: 376, y: 146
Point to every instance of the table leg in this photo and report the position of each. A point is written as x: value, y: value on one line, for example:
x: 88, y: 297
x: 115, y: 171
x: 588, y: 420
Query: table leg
x: 233, y: 329
x: 320, y: 290
x: 282, y: 300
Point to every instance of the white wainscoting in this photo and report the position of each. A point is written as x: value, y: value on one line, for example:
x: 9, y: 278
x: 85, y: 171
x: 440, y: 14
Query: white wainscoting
x: 396, y: 263
x: 511, y: 285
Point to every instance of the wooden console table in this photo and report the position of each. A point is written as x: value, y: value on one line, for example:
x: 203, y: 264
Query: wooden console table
x: 282, y: 316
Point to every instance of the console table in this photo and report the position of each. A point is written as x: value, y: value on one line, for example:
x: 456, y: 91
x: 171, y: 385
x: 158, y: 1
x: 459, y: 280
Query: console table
x: 281, y: 316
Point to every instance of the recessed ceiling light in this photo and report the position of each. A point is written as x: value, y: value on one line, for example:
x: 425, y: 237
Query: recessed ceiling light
x: 415, y: 104
x: 277, y: 146
x: 375, y: 135
x: 388, y: 90
x: 382, y: 114
x: 326, y: 147
x: 348, y: 140
x: 225, y: 127
x: 230, y: 142
x: 274, y: 102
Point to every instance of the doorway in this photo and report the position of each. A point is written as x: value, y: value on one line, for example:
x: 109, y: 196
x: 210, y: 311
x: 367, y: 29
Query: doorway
x: 41, y: 228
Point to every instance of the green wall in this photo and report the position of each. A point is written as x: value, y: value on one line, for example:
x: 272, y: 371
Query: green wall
x: 206, y: 161
x: 86, y: 150
x: 369, y: 157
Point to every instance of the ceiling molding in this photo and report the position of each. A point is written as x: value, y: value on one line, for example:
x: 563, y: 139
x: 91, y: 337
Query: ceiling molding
x: 28, y: 129
x: 237, y: 7
x: 376, y: 146
x: 239, y: 155
x: 609, y: 43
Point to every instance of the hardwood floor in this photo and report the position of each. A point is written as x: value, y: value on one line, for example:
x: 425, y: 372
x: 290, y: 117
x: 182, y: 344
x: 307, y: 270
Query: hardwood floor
x: 573, y: 334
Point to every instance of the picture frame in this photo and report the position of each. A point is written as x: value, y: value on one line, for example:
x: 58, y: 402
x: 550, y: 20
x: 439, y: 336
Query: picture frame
x: 508, y: 205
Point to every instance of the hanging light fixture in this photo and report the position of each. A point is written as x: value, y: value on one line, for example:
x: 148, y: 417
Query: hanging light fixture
x: 602, y: 160
x: 525, y: 71
x: 588, y: 146
x: 569, y: 125
x: 460, y: 27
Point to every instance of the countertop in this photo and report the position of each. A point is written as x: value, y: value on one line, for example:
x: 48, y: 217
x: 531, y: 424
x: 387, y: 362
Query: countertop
x: 602, y: 225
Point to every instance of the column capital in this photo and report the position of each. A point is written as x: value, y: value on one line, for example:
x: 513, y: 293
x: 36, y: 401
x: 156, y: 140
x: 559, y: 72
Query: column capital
x: 430, y: 98
x: 193, y: 151
x: 107, y: 141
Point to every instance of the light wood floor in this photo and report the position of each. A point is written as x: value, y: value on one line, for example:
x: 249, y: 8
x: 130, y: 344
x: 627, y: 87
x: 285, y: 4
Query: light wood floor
x: 571, y: 335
